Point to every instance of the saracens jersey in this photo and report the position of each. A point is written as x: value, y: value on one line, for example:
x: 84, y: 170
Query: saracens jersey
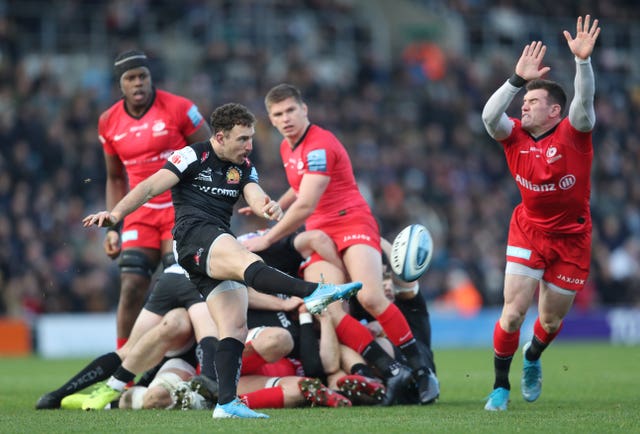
x: 144, y: 143
x: 553, y: 173
x: 209, y: 187
x: 320, y: 152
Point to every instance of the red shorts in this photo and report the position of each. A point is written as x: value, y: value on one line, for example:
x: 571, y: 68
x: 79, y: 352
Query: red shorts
x: 347, y: 231
x: 147, y: 227
x: 565, y: 258
x: 280, y: 368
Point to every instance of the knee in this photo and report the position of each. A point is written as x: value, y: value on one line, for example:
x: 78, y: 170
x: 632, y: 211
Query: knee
x: 511, y: 319
x: 550, y: 324
x: 373, y: 302
x: 136, y: 262
x: 175, y: 324
x: 274, y: 343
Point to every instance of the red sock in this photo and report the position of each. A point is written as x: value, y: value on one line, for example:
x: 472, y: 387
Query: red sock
x: 505, y: 344
x: 395, y: 325
x: 353, y: 334
x: 120, y: 342
x: 251, y: 363
x: 542, y: 335
x: 270, y: 397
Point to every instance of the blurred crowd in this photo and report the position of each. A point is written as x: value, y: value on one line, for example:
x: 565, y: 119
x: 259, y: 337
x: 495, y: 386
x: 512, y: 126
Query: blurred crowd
x: 412, y: 126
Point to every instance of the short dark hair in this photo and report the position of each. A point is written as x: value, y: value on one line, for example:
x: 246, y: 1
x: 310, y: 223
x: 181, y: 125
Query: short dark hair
x: 280, y: 93
x: 556, y: 94
x: 227, y: 116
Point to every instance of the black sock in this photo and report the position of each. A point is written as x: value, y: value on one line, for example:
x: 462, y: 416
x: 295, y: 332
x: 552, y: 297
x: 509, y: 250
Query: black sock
x: 99, y: 369
x: 535, y: 350
x: 309, y: 351
x: 149, y: 375
x: 501, y: 367
x: 269, y: 280
x: 124, y: 375
x: 374, y: 354
x: 228, y: 360
x: 414, y: 358
x: 362, y: 369
x: 206, y: 353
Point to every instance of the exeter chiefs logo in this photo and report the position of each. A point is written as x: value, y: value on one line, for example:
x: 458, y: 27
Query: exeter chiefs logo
x: 233, y: 176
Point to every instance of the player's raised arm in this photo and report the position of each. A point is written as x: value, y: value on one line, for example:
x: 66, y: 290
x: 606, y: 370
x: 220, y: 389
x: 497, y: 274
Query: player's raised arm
x: 582, y: 114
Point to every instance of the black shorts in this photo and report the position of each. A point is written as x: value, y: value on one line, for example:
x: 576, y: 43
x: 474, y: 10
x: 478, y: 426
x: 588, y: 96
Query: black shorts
x: 193, y: 241
x: 172, y: 290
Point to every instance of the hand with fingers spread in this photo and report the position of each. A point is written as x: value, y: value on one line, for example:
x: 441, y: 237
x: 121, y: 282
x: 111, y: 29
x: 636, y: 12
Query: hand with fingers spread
x: 582, y: 45
x: 102, y: 219
x: 529, y: 64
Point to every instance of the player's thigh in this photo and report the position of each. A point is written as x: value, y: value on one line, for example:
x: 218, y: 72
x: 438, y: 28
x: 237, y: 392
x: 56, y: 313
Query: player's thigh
x: 145, y: 321
x: 519, y: 290
x: 554, y: 304
x: 228, y: 259
x: 364, y: 264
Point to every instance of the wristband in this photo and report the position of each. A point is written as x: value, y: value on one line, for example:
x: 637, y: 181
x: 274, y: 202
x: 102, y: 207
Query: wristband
x: 517, y: 81
x: 580, y: 61
x: 117, y: 227
x: 305, y: 318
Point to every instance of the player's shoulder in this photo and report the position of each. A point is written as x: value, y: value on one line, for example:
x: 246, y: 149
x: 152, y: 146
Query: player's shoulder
x: 322, y: 137
x: 168, y: 99
x: 115, y: 109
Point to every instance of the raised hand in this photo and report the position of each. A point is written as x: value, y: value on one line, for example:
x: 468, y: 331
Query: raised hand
x: 582, y: 45
x: 528, y: 66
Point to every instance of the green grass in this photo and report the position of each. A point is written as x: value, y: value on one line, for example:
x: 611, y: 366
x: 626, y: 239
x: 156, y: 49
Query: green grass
x: 588, y: 388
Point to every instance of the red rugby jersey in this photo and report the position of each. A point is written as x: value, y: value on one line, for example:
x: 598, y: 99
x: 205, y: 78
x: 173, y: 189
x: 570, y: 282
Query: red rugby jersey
x: 144, y: 144
x: 553, y: 174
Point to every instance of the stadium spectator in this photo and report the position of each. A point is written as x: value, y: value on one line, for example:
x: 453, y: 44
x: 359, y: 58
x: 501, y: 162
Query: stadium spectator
x: 138, y: 133
x: 323, y: 195
x: 207, y: 179
x: 549, y: 246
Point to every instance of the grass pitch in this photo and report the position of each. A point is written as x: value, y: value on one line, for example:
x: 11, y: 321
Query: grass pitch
x: 587, y: 388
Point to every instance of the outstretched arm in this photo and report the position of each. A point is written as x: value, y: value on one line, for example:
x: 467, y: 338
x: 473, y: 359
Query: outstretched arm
x: 582, y: 115
x: 157, y: 183
x: 495, y: 120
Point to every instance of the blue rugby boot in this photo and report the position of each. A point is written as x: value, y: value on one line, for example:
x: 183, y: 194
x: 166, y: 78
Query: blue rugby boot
x: 327, y: 293
x: 498, y: 400
x: 531, y: 383
x: 236, y: 409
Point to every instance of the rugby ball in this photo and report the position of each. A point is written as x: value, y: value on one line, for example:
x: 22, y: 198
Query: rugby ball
x: 411, y: 252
